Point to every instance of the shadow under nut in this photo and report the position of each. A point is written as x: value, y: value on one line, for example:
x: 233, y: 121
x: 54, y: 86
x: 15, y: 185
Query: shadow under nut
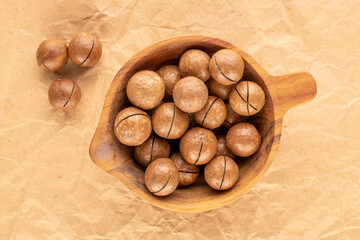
x: 132, y: 126
x: 153, y: 148
x: 198, y: 146
x: 161, y: 177
x: 243, y: 139
x: 171, y: 75
x: 221, y: 173
x: 64, y: 94
x: 222, y: 149
x: 85, y: 49
x: 247, y: 98
x: 188, y: 173
x: 169, y: 121
x: 219, y: 90
x: 213, y: 114
x: 232, y: 117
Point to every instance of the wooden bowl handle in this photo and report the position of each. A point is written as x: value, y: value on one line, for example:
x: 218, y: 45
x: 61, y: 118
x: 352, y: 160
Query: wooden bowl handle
x: 290, y: 90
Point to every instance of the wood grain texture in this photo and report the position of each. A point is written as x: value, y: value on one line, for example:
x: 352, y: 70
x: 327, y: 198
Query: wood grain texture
x: 282, y: 93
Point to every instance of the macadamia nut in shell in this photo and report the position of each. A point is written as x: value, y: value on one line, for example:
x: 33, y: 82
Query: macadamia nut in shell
x: 221, y: 173
x: 195, y: 63
x: 64, y: 94
x: 132, y: 126
x: 145, y: 89
x: 243, y: 139
x: 213, y: 114
x: 52, y: 54
x: 190, y: 94
x: 153, y: 148
x: 247, y: 98
x: 162, y: 177
x: 169, y: 121
x: 198, y: 146
x: 85, y: 49
x: 226, y: 67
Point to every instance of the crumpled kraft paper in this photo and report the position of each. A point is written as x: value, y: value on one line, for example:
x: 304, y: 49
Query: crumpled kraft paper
x: 50, y: 188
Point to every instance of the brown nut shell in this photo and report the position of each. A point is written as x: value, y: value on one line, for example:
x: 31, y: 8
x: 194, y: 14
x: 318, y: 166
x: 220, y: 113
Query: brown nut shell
x: 226, y: 67
x: 132, y: 126
x: 52, y: 54
x: 219, y: 90
x: 213, y: 114
x: 195, y: 63
x: 198, y: 146
x: 162, y: 177
x: 171, y: 75
x: 188, y: 173
x: 64, y: 94
x: 232, y: 117
x: 222, y: 149
x: 190, y: 94
x: 247, y: 98
x: 145, y: 89
x: 243, y: 139
x: 221, y: 173
x: 85, y: 49
x: 153, y: 148
x: 169, y: 121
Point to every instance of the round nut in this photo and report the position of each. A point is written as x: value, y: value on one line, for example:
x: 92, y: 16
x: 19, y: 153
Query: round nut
x: 195, y: 63
x: 171, y: 75
x: 222, y: 149
x: 232, y: 117
x: 221, y: 173
x: 247, y: 98
x: 153, y: 148
x: 243, y: 139
x: 145, y: 89
x: 198, y: 146
x: 85, y: 49
x: 64, y: 94
x: 226, y: 67
x: 132, y: 126
x: 52, y: 54
x: 213, y: 114
x: 188, y: 173
x: 190, y: 94
x: 219, y: 90
x: 170, y: 122
x: 161, y: 177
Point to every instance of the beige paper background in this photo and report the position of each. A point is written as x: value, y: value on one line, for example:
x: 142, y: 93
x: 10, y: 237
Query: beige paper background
x: 49, y: 187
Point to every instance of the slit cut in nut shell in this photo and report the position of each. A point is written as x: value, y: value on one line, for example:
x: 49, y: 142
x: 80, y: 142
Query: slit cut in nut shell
x: 85, y: 49
x: 162, y: 177
x: 198, y: 146
x: 132, y: 126
x: 169, y: 121
x: 221, y: 173
x: 64, y: 94
x: 226, y: 67
x: 52, y: 54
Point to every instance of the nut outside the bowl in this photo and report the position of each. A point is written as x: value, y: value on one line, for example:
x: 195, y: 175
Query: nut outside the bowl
x: 281, y: 93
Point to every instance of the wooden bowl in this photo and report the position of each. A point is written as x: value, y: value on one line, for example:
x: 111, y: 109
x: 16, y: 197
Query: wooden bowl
x: 282, y: 93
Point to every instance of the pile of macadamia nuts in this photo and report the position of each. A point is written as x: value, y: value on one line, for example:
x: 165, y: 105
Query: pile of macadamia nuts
x: 174, y: 104
x: 52, y: 54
